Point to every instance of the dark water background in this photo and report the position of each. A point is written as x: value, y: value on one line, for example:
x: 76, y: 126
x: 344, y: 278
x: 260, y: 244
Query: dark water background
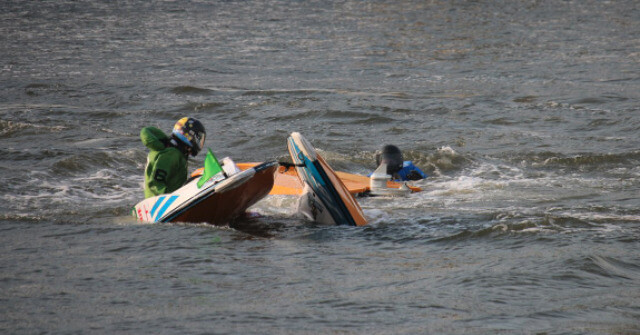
x: 526, y: 114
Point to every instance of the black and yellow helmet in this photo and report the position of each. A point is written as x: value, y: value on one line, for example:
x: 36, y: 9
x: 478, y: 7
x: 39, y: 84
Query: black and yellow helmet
x: 191, y: 132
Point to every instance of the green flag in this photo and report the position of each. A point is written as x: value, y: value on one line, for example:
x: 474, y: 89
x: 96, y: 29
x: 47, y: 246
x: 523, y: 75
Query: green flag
x: 211, y: 168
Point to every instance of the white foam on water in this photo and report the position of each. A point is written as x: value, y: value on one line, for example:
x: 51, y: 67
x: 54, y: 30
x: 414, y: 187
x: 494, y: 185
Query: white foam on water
x: 101, y: 189
x: 376, y: 215
x: 276, y: 205
x: 511, y: 199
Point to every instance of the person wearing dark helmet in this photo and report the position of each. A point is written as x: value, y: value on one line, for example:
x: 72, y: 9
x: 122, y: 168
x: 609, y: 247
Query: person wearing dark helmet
x: 166, y: 169
x: 397, y: 167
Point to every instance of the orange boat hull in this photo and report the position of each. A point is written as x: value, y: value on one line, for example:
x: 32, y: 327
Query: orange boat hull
x: 345, y: 194
x: 287, y: 181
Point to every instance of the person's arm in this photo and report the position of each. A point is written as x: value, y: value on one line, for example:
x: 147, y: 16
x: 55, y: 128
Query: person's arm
x: 415, y: 173
x: 153, y: 138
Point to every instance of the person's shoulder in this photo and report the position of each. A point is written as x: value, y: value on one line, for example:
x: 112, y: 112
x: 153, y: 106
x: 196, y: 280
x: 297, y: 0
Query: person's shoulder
x: 408, y: 164
x: 171, y: 156
x: 153, y: 131
x: 171, y: 152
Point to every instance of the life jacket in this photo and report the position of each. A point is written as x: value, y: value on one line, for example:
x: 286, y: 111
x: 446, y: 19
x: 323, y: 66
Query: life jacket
x: 409, y: 172
x: 166, y: 169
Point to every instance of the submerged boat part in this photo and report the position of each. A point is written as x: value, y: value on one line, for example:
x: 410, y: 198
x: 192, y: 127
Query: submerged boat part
x: 379, y: 184
x: 325, y: 199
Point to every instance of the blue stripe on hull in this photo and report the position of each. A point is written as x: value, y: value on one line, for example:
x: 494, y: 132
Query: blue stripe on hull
x: 155, y: 206
x: 166, y: 206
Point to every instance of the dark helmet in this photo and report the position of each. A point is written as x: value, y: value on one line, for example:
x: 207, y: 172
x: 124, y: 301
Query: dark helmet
x: 392, y: 156
x: 190, y: 132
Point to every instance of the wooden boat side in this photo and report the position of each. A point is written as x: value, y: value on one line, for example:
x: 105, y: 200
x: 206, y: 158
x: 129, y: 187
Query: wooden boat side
x: 222, y: 207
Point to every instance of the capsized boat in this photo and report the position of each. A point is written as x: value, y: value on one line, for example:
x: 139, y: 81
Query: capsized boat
x: 217, y: 200
x: 287, y: 182
x: 325, y: 199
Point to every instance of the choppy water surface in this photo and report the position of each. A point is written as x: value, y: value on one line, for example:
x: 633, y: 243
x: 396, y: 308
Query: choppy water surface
x: 525, y: 114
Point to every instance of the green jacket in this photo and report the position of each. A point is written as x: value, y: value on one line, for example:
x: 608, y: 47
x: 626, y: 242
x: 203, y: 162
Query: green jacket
x: 166, y: 169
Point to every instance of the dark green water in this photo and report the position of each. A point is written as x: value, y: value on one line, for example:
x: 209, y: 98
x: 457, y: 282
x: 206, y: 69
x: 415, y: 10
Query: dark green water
x: 525, y: 115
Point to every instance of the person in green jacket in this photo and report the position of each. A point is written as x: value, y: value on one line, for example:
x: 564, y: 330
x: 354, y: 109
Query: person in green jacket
x: 166, y: 169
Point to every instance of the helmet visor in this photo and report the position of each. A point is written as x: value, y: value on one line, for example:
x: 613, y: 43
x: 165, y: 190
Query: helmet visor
x: 201, y: 137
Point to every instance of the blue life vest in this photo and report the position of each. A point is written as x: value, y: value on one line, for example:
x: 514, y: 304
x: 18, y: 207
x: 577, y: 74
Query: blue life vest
x: 409, y: 169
